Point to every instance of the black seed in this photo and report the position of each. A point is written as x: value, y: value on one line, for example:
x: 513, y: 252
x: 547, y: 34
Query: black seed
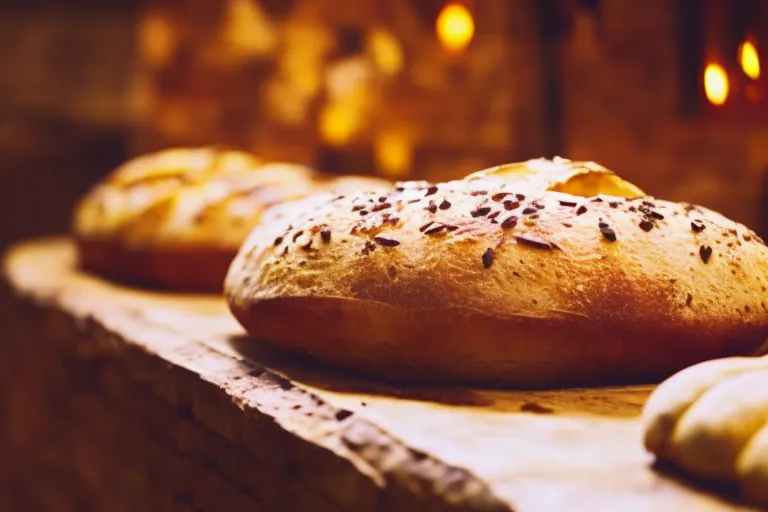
x: 278, y: 240
x: 357, y: 207
x: 567, y: 203
x: 689, y: 300
x: 581, y: 209
x: 656, y: 215
x: 307, y: 246
x: 529, y: 210
x: 325, y: 235
x: 534, y: 241
x: 414, y: 201
x: 434, y: 229
x: 602, y: 225
x: 432, y: 208
x: 451, y: 228
x: 479, y: 193
x: 400, y: 189
x: 381, y: 206
x: 509, y: 222
x: 567, y: 225
x: 364, y: 212
x: 297, y: 235
x: 480, y: 212
x: 494, y: 215
x: 646, y: 225
x: 386, y: 242
x: 445, y: 205
x: 613, y: 204
x: 499, y: 196
x: 511, y: 205
x: 597, y: 200
x: 632, y: 209
x: 394, y: 220
x: 607, y: 232
x: 697, y: 226
x: 382, y: 199
x: 705, y: 252
x: 488, y: 258
x: 426, y: 226
x: 520, y: 197
x: 431, y: 190
x: 649, y: 204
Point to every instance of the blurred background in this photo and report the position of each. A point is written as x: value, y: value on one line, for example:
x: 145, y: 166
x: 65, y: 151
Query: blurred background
x: 671, y: 94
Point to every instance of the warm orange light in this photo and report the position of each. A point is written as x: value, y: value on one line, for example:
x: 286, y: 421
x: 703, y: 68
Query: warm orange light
x: 338, y: 123
x: 394, y: 153
x: 749, y: 59
x: 716, y: 84
x: 455, y: 27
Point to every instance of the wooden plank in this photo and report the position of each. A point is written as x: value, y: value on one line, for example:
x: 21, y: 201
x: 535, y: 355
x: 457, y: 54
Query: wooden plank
x: 229, y: 422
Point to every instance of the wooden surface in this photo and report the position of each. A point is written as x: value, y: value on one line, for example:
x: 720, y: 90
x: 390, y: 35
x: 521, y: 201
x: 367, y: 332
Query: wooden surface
x: 173, y: 377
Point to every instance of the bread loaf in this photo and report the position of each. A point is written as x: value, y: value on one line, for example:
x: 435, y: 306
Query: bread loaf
x: 176, y: 218
x: 711, y: 420
x: 495, y: 280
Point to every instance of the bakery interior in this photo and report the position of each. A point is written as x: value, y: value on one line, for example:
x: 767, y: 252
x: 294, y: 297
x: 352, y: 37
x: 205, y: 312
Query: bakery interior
x: 671, y: 94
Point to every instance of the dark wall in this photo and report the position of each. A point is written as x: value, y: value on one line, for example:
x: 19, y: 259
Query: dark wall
x: 65, y: 97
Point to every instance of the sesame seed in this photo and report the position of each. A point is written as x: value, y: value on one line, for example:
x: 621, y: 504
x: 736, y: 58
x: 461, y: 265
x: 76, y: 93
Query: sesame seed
x: 426, y: 226
x: 511, y: 205
x: 534, y: 241
x: 386, y: 242
x: 488, y: 258
x: 705, y: 252
x: 381, y: 206
x: 697, y: 226
x: 646, y: 225
x: 435, y: 229
x: 607, y: 232
x: 509, y: 222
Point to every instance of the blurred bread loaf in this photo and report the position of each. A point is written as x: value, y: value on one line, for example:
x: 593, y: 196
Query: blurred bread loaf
x: 176, y: 218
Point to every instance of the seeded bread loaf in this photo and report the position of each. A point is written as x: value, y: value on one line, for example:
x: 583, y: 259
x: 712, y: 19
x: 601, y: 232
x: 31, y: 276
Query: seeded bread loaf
x: 501, y: 282
x: 176, y: 218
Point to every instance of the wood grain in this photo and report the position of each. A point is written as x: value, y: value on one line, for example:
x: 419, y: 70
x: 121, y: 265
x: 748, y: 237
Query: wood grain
x: 199, y: 417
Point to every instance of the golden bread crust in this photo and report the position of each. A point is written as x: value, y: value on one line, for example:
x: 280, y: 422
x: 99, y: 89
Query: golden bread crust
x: 155, y: 215
x: 503, y: 282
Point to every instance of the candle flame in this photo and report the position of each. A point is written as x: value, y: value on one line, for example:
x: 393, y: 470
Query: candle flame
x: 716, y: 84
x: 455, y: 27
x: 749, y: 59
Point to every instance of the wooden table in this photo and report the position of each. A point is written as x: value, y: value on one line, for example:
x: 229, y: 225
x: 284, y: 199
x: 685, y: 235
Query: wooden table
x: 120, y: 399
